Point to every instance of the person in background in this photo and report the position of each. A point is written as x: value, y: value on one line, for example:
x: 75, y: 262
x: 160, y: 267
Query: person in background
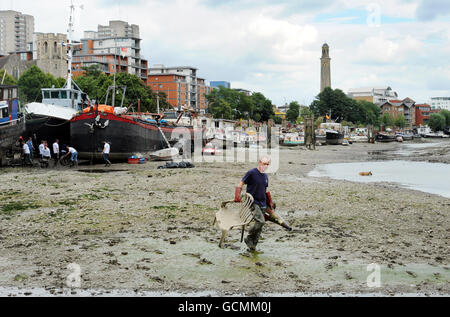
x: 41, y: 148
x: 105, y: 152
x: 26, y: 154
x: 73, y: 155
x: 31, y: 147
x: 46, y: 155
x: 56, y: 151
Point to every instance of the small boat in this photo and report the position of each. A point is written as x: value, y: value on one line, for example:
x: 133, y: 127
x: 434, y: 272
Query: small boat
x: 439, y: 134
x: 359, y: 138
x: 382, y: 137
x: 334, y: 134
x: 12, y: 123
x: 168, y: 154
x: 293, y: 139
x: 406, y: 136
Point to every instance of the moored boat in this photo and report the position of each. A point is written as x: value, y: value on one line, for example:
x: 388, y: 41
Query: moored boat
x: 12, y: 123
x: 383, y: 137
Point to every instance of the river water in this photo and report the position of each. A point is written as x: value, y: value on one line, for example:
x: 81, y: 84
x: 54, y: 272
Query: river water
x: 428, y: 177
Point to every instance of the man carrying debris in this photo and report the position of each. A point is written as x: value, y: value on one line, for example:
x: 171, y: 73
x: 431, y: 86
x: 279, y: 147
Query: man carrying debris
x: 257, y: 183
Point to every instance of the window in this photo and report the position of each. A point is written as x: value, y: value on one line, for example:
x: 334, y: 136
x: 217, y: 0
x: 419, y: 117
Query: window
x: 45, y: 47
x: 46, y: 94
x: 14, y: 92
x: 4, y: 112
x: 55, y: 94
x: 63, y: 94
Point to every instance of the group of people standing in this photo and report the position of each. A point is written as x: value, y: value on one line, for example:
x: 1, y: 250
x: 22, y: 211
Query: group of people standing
x: 45, y: 155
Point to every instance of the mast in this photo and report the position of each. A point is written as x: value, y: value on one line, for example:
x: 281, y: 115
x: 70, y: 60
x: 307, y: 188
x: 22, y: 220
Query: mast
x: 69, y: 46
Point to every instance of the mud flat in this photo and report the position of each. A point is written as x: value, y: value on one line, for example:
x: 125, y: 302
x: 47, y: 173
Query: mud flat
x: 142, y: 230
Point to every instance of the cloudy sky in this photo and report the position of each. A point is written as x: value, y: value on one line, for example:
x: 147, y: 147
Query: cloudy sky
x: 274, y: 47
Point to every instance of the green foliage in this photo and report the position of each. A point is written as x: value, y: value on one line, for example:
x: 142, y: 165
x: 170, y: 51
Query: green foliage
x: 221, y: 109
x: 8, y: 80
x: 278, y: 120
x: 230, y: 104
x: 400, y: 121
x: 95, y: 84
x: 31, y: 82
x: 347, y: 124
x: 437, y: 122
x: 387, y: 120
x: 293, y: 112
x: 446, y: 114
x: 344, y: 108
x: 263, y: 110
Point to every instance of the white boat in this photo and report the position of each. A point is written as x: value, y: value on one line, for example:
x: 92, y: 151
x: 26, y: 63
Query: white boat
x: 50, y: 118
x: 167, y: 154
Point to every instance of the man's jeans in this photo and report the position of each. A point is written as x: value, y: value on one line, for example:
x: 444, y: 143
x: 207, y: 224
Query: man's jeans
x: 255, y: 231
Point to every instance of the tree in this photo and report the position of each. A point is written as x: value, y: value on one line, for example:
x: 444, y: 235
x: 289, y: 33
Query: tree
x: 400, y: 121
x: 446, y: 114
x: 220, y: 109
x: 387, y: 120
x: 334, y: 103
x: 31, y: 82
x: 293, y: 112
x: 436, y: 122
x: 7, y: 79
x: 95, y: 84
x: 263, y: 108
x: 277, y: 120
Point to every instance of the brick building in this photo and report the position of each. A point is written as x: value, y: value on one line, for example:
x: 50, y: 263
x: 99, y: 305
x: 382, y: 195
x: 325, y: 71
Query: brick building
x: 405, y: 107
x: 181, y: 85
x: 423, y: 112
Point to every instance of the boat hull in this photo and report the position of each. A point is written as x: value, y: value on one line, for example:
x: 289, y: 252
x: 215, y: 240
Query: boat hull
x: 47, y: 128
x: 384, y: 138
x: 127, y: 136
x: 334, y: 138
x: 9, y: 137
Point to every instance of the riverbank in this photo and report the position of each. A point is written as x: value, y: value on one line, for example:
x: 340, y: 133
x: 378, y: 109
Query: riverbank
x: 143, y: 229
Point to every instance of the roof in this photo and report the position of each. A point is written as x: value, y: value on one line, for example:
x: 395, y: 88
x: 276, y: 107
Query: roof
x: 4, y: 61
x: 368, y: 89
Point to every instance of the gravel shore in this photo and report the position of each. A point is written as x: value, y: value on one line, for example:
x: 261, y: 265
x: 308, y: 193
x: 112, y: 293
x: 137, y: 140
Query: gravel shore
x: 136, y: 228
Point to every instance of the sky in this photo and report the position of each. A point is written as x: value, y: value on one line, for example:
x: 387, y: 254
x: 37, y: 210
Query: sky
x: 274, y: 47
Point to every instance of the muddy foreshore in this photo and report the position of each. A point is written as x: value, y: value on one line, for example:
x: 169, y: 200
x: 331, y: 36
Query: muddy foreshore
x: 141, y: 229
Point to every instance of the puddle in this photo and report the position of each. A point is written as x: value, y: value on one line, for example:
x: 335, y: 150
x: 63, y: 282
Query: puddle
x: 408, y: 149
x: 423, y: 176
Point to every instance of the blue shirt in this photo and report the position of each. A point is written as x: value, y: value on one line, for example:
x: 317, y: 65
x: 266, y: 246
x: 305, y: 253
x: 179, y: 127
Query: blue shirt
x: 257, y: 183
x: 30, y: 145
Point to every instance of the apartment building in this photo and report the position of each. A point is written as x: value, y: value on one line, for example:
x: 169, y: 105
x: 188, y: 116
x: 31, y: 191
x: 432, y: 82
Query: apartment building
x: 16, y: 32
x: 440, y: 103
x: 376, y: 95
x: 181, y: 85
x: 405, y: 107
x: 423, y: 112
x: 114, y: 48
